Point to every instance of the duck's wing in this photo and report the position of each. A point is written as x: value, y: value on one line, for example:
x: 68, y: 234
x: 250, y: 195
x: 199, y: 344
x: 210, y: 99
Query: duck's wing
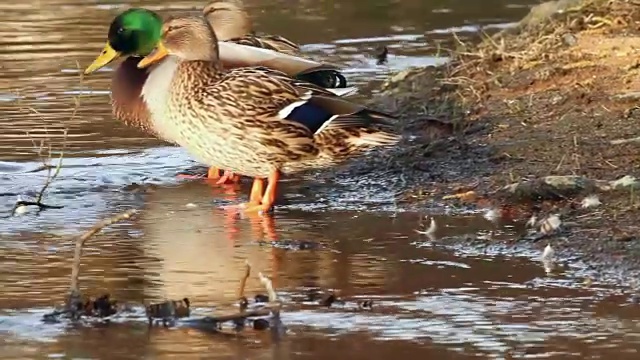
x: 237, y: 55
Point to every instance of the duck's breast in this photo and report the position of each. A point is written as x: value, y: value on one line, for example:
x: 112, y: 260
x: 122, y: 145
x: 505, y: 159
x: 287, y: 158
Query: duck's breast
x: 126, y: 87
x: 155, y: 94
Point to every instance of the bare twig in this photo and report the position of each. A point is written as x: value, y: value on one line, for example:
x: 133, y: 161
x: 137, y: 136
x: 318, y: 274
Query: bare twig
x: 243, y: 280
x: 237, y: 316
x: 80, y: 241
x: 52, y: 174
x: 624, y: 141
x: 273, y: 297
x: 243, y: 302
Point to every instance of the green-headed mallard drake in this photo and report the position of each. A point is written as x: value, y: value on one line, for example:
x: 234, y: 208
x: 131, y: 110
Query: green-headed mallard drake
x: 135, y: 32
x: 255, y: 121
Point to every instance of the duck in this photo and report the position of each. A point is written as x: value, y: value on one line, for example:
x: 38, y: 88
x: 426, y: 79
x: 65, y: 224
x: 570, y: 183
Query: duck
x: 134, y: 33
x: 256, y: 121
x: 232, y: 23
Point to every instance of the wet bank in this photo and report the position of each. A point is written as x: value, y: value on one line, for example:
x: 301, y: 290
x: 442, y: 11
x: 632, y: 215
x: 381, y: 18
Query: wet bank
x: 536, y: 120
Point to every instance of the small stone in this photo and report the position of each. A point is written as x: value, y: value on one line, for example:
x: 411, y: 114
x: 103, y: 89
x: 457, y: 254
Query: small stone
x: 260, y: 324
x: 569, y: 39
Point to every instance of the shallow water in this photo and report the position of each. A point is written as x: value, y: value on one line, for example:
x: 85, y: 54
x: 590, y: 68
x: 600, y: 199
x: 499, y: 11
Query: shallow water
x: 430, y: 299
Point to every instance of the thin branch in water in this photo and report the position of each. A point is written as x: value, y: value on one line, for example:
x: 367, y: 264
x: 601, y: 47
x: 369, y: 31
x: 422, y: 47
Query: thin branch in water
x: 276, y: 325
x: 243, y: 283
x: 268, y: 285
x: 52, y: 174
x: 243, y: 280
x: 74, y: 295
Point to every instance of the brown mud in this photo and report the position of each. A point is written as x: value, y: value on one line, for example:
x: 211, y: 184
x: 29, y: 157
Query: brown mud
x: 556, y: 96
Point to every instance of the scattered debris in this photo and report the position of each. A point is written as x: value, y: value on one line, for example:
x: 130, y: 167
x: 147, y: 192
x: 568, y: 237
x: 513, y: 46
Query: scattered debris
x: 260, y: 324
x: 168, y: 311
x: 548, y: 259
x: 532, y: 221
x: 625, y: 182
x: 258, y: 310
x: 547, y: 188
x: 294, y: 245
x: 550, y: 225
x: 630, y: 140
x: 365, y: 304
x: 266, y: 282
x: 329, y: 299
x: 382, y: 55
x: 491, y: 214
x: 590, y: 201
x: 465, y: 196
x: 431, y: 230
x: 75, y: 307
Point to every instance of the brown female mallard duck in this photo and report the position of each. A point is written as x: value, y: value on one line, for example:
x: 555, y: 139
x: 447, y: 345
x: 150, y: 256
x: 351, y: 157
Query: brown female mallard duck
x: 135, y: 32
x: 232, y: 23
x: 255, y: 121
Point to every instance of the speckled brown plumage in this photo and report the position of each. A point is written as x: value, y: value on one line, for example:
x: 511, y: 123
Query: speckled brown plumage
x: 231, y: 22
x: 233, y: 119
x: 229, y: 17
x: 271, y: 42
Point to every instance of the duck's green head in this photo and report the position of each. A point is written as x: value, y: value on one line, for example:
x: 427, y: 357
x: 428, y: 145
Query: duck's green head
x: 134, y: 32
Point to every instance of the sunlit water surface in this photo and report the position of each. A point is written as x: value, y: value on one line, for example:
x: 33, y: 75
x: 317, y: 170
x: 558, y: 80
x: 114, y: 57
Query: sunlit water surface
x: 430, y: 300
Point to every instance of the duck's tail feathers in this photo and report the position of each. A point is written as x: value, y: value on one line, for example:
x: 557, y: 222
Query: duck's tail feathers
x: 326, y: 76
x: 342, y: 92
x: 375, y: 139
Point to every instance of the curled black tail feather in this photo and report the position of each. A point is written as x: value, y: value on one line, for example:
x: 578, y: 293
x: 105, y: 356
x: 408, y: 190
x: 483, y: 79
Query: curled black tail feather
x: 326, y: 78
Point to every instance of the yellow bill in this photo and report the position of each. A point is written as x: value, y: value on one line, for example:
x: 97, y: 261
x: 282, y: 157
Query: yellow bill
x: 106, y: 56
x: 156, y: 55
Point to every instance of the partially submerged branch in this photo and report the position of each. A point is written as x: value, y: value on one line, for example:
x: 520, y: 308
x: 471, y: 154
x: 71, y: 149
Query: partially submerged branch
x: 243, y: 283
x: 75, y: 295
x: 75, y: 307
x: 52, y: 174
x: 266, y: 282
x: 214, y: 323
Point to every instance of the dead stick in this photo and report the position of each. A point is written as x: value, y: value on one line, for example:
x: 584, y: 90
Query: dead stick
x: 75, y: 267
x: 52, y: 174
x: 273, y: 297
x: 243, y: 280
x: 238, y: 316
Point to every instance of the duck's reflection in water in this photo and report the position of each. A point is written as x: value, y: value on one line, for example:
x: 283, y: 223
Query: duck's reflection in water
x: 198, y: 250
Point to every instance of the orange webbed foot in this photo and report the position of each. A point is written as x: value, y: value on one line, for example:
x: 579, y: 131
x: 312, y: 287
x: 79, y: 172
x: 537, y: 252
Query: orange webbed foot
x: 250, y: 207
x: 213, y: 173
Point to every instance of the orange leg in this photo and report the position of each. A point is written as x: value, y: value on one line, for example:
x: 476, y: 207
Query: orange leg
x: 269, y: 195
x: 213, y: 173
x: 227, y: 178
x: 257, y: 189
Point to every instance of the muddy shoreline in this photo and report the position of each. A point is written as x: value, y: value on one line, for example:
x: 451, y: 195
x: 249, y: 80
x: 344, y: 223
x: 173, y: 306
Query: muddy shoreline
x: 555, y: 96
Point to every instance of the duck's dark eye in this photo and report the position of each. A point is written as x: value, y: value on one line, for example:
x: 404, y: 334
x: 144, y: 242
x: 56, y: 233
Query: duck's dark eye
x: 120, y: 30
